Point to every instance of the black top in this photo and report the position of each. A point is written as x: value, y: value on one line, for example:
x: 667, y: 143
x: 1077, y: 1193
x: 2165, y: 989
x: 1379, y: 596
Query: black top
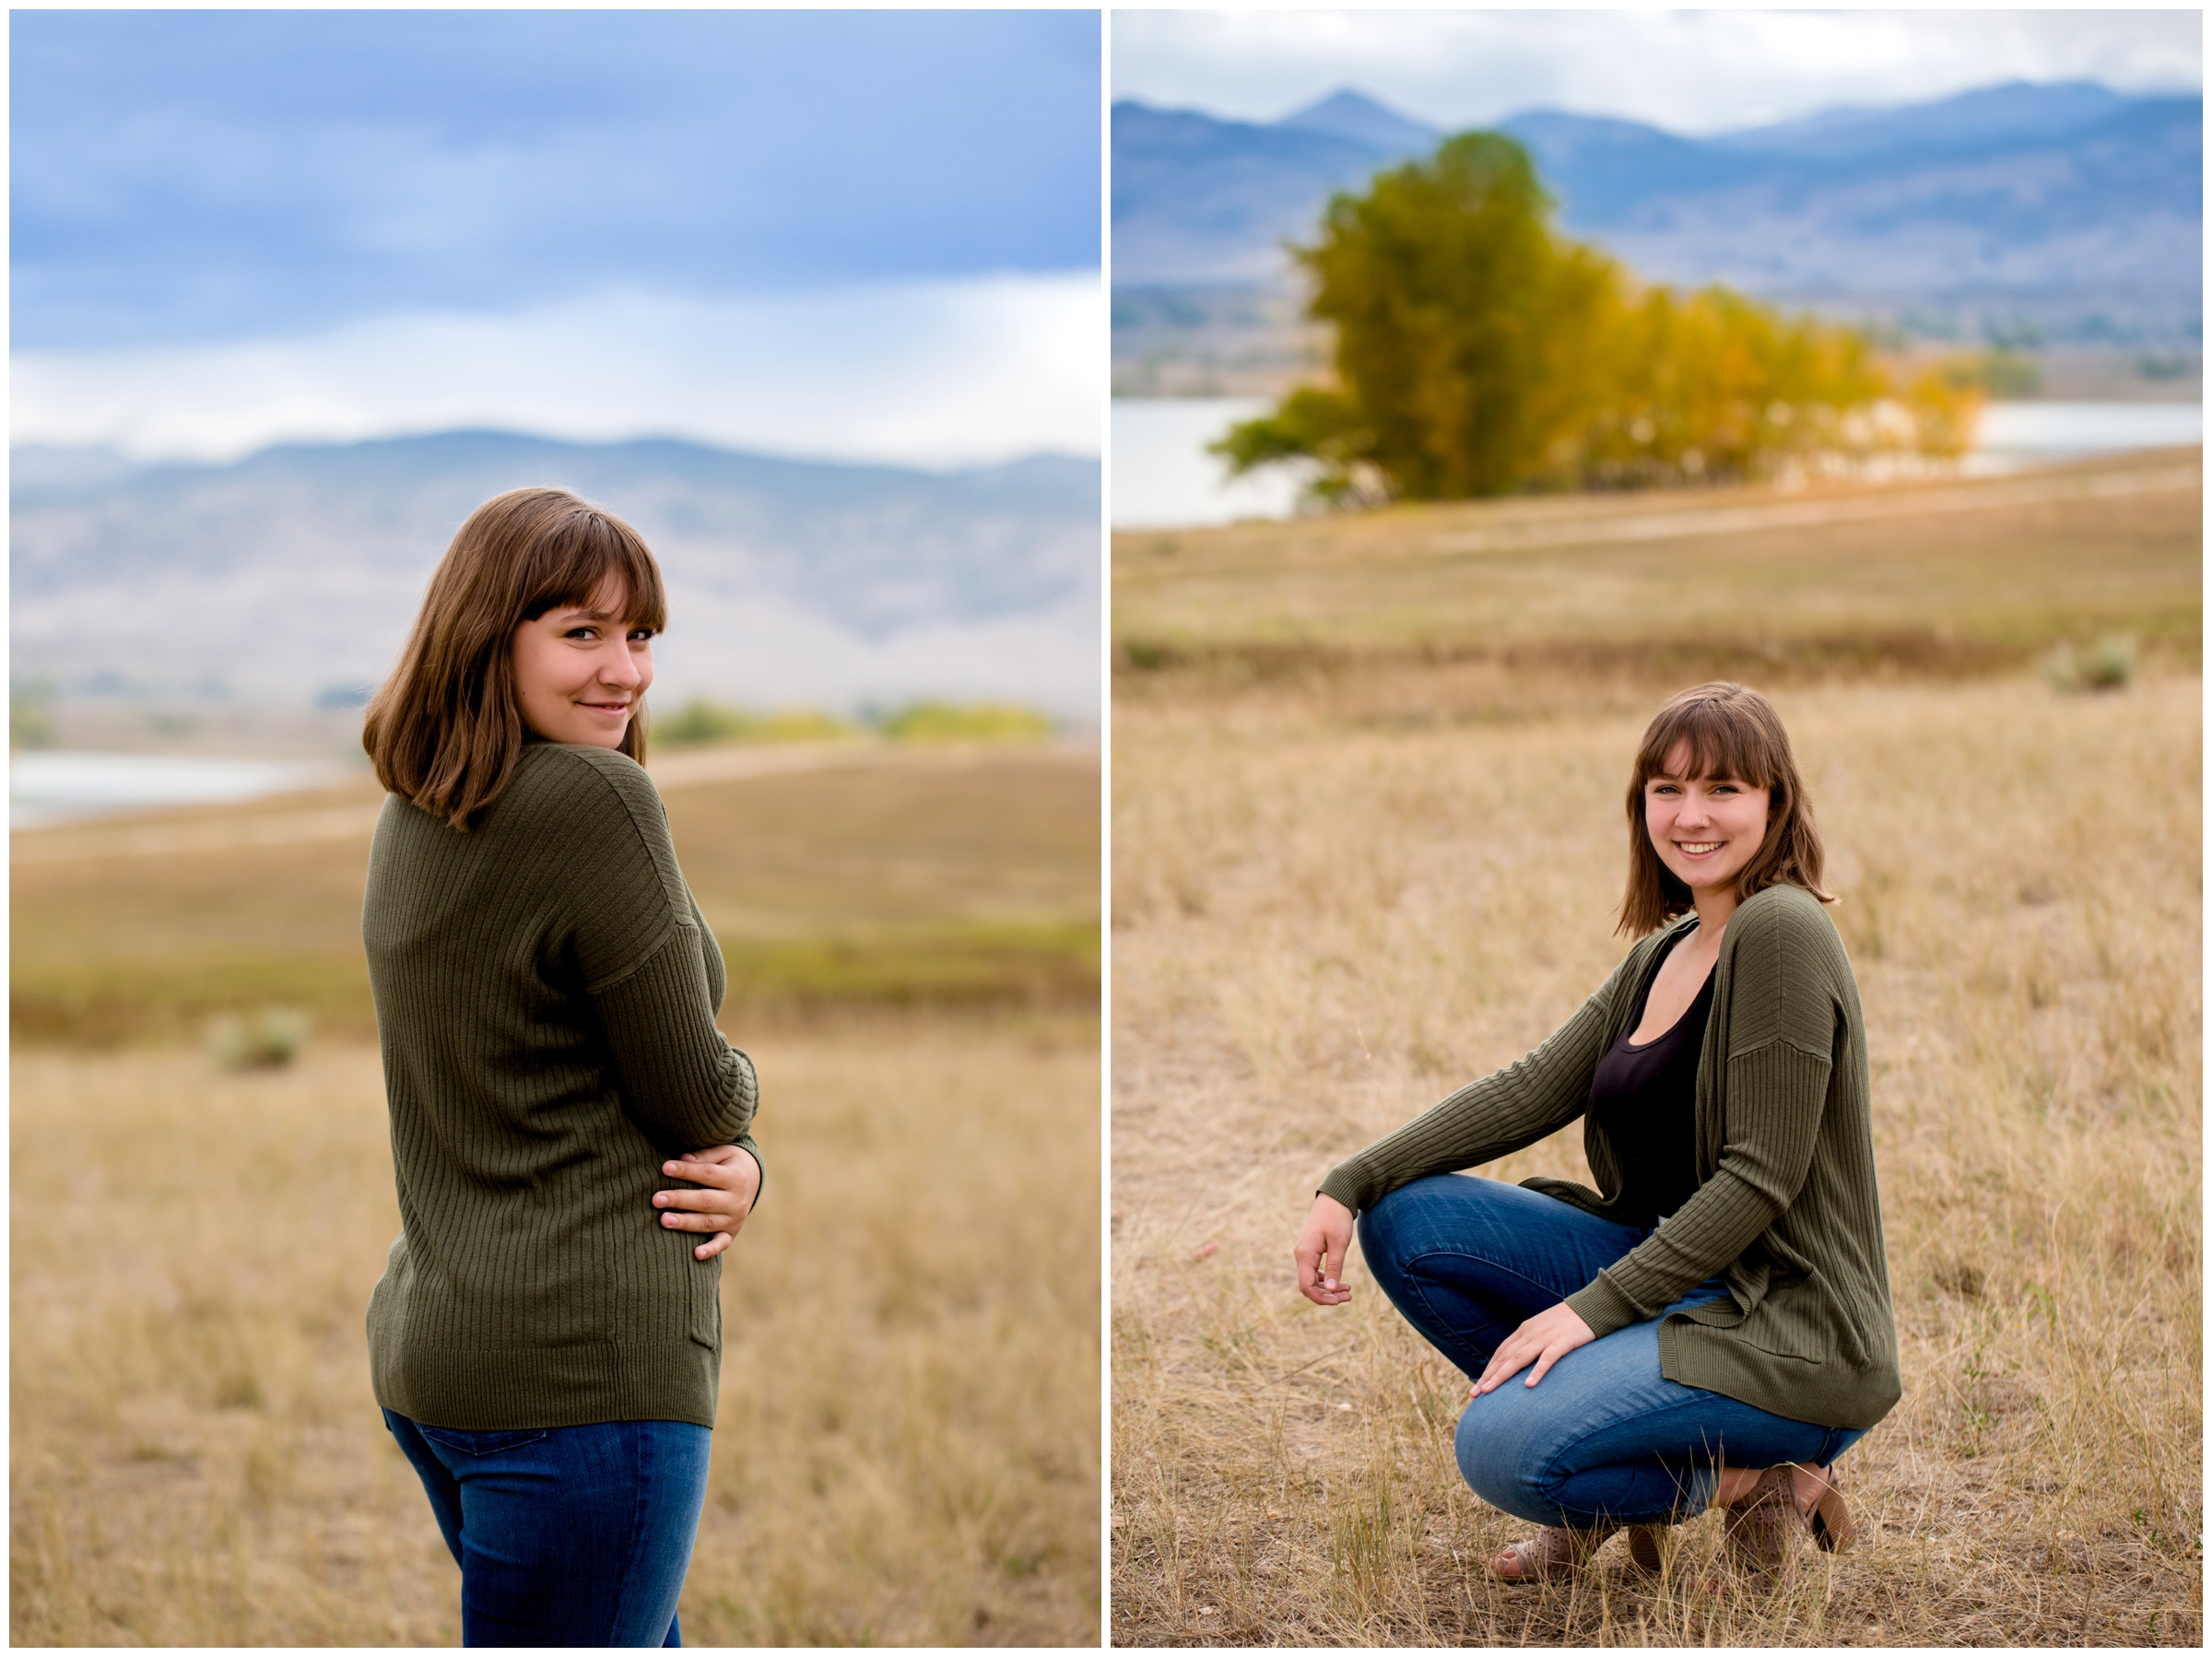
x: 1646, y: 1099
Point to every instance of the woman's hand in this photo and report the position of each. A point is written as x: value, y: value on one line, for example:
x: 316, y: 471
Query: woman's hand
x: 1322, y: 1241
x: 731, y: 1180
x: 1545, y: 1339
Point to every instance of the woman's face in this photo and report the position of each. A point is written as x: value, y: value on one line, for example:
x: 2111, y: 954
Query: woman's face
x: 581, y: 670
x: 1705, y: 829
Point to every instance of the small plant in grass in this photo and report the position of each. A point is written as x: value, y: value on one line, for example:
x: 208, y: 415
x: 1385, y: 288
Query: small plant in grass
x: 2107, y: 664
x: 265, y: 1039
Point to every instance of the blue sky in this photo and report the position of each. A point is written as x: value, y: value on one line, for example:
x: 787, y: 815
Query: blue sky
x: 871, y: 236
x: 198, y: 176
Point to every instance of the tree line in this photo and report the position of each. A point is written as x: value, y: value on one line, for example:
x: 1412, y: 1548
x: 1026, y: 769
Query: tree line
x: 1480, y: 352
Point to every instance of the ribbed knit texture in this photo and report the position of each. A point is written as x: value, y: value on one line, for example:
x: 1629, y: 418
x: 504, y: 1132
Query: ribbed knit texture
x: 545, y: 991
x: 1787, y: 1210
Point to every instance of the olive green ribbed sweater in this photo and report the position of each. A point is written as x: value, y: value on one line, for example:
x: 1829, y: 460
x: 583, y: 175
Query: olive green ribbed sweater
x: 1787, y: 1210
x: 545, y: 992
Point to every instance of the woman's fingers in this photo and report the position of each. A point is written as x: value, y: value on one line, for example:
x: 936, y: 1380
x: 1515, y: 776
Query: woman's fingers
x: 723, y: 1198
x: 721, y: 1212
x: 710, y: 1199
x: 1320, y: 1250
x: 1545, y: 1359
x: 718, y: 1155
x: 712, y: 1221
x: 735, y: 1175
x: 1313, y: 1255
x: 1512, y: 1357
x: 1543, y: 1340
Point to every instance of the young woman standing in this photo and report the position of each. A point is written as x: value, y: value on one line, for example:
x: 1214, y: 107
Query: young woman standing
x: 546, y: 1347
x: 1712, y: 1323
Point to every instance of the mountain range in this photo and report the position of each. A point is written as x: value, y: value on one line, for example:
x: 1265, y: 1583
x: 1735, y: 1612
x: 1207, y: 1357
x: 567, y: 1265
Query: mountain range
x: 293, y: 574
x: 2074, y: 200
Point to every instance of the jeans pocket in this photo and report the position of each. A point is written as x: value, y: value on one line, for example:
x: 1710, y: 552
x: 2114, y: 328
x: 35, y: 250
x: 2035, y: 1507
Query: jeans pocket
x: 482, y: 1443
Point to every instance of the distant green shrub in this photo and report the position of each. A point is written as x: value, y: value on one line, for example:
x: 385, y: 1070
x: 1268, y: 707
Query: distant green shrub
x: 699, y: 721
x: 265, y: 1039
x: 2107, y: 664
x: 2009, y: 373
x: 968, y: 722
x: 29, y: 722
x: 31, y: 716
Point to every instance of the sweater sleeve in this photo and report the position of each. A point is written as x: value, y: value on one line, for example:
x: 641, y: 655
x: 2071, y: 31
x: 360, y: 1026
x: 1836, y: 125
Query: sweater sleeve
x: 685, y: 1084
x: 1538, y: 1094
x: 1781, y: 1030
x: 642, y: 948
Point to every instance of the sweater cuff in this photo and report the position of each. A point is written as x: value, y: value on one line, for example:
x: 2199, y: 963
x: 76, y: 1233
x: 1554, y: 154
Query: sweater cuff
x: 1603, y: 1307
x: 1346, y: 1185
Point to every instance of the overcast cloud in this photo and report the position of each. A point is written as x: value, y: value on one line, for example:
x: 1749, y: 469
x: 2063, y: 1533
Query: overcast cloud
x: 1689, y: 72
x: 930, y: 373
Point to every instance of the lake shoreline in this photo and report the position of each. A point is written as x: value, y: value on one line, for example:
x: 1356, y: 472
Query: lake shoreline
x: 1164, y: 479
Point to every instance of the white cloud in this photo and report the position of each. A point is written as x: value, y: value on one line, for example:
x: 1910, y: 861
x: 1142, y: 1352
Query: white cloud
x: 1692, y: 72
x: 934, y: 374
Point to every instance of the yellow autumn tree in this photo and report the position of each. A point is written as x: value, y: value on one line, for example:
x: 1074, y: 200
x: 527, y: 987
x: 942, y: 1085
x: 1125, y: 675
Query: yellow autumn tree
x: 1478, y: 352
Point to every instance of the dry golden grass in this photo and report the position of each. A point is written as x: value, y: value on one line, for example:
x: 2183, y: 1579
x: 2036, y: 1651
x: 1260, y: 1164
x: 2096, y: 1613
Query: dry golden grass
x: 1325, y: 920
x: 1949, y: 577
x: 908, y: 1443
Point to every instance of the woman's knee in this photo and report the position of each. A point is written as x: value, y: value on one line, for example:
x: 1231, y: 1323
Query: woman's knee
x: 1382, y: 1239
x: 1504, y: 1455
x: 1404, y: 1224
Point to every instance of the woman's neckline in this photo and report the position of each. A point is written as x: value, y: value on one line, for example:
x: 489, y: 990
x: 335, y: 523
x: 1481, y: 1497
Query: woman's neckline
x: 1627, y: 1042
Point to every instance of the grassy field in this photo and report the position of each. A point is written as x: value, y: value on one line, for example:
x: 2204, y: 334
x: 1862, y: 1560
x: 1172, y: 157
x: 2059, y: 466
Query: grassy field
x: 915, y: 880
x: 1918, y: 580
x: 908, y: 1447
x: 1349, y: 877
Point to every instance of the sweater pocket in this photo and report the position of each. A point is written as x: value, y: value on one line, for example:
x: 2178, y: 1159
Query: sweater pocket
x: 1791, y: 1322
x: 703, y: 1323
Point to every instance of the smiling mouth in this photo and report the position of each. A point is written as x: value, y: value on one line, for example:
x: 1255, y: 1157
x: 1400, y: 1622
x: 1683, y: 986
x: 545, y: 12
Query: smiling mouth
x: 1698, y: 848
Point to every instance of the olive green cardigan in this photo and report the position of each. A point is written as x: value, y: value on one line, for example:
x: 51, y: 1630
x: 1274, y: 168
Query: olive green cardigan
x: 545, y: 992
x: 1786, y: 1211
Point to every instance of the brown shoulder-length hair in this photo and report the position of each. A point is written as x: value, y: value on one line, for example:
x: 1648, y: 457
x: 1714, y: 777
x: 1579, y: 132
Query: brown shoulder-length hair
x: 1732, y: 732
x: 445, y: 731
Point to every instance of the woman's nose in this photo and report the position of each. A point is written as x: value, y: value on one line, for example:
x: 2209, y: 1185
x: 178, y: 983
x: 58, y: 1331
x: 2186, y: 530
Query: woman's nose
x: 617, y: 668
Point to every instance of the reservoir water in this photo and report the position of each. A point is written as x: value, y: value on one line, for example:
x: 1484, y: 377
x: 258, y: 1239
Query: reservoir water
x: 1164, y: 478
x: 46, y: 787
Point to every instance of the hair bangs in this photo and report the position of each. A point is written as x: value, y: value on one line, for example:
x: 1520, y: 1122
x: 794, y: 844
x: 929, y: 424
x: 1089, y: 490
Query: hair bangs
x: 578, y: 557
x: 1720, y: 743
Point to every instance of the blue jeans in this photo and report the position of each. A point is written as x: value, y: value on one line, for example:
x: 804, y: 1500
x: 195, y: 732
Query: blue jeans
x: 565, y: 1535
x: 1604, y: 1437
